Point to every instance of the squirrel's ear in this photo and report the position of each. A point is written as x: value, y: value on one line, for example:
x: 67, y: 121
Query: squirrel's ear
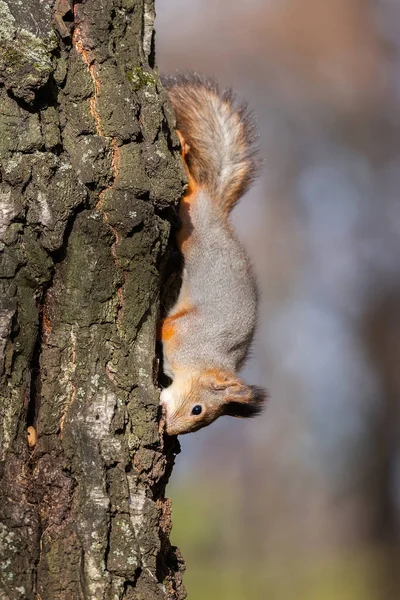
x: 244, y: 400
x: 238, y: 399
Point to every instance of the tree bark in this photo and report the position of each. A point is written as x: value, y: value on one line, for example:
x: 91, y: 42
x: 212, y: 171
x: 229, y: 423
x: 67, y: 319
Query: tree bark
x: 88, y: 177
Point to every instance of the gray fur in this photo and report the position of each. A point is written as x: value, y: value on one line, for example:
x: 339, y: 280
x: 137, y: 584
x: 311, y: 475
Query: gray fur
x: 219, y: 281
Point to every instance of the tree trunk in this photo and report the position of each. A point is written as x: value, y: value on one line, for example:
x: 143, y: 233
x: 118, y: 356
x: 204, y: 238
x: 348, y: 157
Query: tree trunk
x: 88, y: 174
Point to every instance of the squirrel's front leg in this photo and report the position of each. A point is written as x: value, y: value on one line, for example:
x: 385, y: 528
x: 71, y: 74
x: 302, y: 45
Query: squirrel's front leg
x: 172, y: 332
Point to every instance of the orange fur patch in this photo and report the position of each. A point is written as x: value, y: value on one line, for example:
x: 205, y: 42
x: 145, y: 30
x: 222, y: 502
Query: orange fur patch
x: 166, y: 330
x: 167, y: 327
x: 219, y: 376
x: 184, y: 146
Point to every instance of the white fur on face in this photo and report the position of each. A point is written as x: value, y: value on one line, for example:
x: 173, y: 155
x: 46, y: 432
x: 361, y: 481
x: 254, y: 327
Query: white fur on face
x: 176, y: 403
x: 169, y: 399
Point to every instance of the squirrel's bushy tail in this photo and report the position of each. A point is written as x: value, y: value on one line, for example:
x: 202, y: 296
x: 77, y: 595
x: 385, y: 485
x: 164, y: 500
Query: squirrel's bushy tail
x: 220, y: 134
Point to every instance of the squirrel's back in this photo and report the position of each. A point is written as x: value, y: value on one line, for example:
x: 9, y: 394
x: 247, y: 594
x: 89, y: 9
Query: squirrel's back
x: 220, y: 134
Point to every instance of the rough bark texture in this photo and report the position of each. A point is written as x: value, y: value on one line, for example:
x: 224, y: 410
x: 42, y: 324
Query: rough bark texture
x: 88, y: 176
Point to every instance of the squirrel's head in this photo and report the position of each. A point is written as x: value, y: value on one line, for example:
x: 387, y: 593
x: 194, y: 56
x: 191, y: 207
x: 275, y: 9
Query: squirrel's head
x: 192, y: 402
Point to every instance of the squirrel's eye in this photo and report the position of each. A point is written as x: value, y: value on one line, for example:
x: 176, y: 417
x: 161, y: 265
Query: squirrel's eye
x: 196, y: 410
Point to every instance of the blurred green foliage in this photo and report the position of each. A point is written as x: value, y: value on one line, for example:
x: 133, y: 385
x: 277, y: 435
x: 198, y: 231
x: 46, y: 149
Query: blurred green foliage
x: 344, y: 581
x: 204, y: 521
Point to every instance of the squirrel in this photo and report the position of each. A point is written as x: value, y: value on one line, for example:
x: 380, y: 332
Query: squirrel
x: 207, y: 333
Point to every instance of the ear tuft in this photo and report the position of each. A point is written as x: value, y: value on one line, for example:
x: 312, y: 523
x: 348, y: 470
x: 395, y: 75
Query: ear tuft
x: 251, y: 407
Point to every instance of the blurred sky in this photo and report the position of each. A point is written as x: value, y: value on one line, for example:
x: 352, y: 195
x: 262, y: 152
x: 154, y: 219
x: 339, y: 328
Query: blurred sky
x: 320, y: 470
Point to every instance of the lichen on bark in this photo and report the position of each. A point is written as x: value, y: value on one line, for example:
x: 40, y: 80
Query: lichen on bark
x: 88, y: 176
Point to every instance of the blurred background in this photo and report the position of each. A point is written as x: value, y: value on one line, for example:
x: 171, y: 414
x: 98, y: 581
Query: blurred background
x: 304, y: 502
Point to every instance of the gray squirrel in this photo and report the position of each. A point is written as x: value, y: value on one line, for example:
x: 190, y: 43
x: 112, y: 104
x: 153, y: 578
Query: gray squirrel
x: 207, y: 333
